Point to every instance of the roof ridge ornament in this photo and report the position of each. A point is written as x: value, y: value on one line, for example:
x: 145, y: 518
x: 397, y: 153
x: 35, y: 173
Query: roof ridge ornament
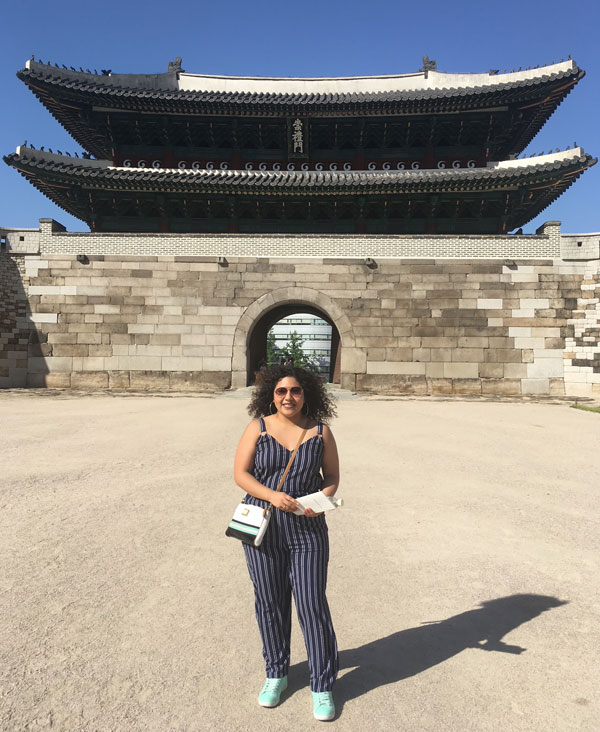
x: 428, y: 65
x: 175, y: 66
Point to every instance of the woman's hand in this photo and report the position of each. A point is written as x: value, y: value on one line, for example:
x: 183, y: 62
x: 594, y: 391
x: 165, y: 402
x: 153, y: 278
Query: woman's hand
x: 311, y: 514
x: 284, y: 502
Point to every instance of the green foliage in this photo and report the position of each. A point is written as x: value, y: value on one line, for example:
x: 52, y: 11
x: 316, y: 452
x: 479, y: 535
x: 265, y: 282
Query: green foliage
x: 585, y: 408
x: 273, y: 352
x: 292, y: 349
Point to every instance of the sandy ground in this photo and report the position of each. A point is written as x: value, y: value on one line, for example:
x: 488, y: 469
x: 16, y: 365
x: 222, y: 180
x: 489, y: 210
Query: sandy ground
x: 464, y: 578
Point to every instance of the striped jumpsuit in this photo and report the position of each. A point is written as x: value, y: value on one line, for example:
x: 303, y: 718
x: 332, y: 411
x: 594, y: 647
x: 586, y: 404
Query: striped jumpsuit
x: 292, y: 558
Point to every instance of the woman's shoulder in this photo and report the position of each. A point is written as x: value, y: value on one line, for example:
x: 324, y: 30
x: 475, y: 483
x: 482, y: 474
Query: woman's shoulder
x: 254, y: 428
x: 325, y: 430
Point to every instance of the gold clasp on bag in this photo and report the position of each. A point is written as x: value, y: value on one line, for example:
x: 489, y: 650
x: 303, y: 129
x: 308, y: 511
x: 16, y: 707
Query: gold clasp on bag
x: 245, y: 512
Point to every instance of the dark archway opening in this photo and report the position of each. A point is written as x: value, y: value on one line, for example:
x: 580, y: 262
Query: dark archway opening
x: 257, y: 345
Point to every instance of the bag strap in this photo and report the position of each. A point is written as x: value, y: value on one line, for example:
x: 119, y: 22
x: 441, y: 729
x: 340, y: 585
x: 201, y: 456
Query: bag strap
x: 291, y: 460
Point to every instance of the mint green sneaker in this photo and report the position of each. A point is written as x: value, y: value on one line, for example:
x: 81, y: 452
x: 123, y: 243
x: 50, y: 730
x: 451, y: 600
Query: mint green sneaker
x: 271, y: 692
x: 323, y: 707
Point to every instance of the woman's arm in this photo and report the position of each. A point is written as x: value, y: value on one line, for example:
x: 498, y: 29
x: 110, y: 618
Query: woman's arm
x: 330, y: 466
x: 242, y: 465
x: 331, y: 463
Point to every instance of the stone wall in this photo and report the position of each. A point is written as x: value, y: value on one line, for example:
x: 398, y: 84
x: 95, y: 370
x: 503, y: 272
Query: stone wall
x: 580, y: 246
x: 20, y: 241
x: 545, y: 243
x: 451, y: 325
x: 15, y: 328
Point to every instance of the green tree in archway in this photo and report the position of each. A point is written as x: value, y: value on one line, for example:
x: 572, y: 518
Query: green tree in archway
x: 273, y: 352
x: 293, y: 350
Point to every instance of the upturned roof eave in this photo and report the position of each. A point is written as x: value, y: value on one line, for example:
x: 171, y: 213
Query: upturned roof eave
x: 101, y: 174
x: 98, y: 87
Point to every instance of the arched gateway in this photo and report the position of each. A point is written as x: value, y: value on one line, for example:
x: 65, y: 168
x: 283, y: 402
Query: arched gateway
x: 249, y: 344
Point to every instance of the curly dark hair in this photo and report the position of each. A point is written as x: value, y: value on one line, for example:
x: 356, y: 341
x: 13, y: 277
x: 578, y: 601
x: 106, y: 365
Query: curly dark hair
x: 318, y: 402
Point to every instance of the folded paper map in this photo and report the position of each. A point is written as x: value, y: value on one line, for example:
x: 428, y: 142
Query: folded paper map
x: 319, y: 502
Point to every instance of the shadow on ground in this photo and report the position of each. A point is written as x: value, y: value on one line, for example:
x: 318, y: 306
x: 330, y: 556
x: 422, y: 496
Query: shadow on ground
x: 414, y: 650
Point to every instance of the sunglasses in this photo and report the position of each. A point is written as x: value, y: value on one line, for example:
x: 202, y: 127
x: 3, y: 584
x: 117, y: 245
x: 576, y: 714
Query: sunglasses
x: 295, y: 391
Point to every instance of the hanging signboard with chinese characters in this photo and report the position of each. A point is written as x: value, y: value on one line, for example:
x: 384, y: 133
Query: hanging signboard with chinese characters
x: 297, y: 137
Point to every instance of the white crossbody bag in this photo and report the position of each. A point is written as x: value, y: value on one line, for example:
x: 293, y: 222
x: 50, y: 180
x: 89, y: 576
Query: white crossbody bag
x: 249, y: 523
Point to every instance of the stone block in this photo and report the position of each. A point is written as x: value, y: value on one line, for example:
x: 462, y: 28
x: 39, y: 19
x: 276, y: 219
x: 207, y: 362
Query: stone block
x: 489, y: 304
x: 107, y: 309
x: 118, y: 379
x: 539, y: 303
x: 440, y: 354
x: 89, y: 380
x: 353, y: 360
x: 503, y: 355
x: 96, y: 363
x: 395, y: 367
x: 391, y: 354
x: 529, y: 342
x: 501, y: 342
x: 62, y: 338
x: 214, y: 339
x: 149, y: 380
x: 466, y: 386
x: 140, y: 363
x: 515, y: 370
x: 392, y: 383
x: 535, y: 386
x: 491, y: 370
x: 527, y: 355
x: 201, y: 351
x: 375, y: 342
x: 70, y: 350
x: 439, y: 386
x: 239, y: 359
x: 348, y: 381
x: 578, y: 389
x: 94, y: 339
x: 518, y: 332
x: 545, y: 368
x: 434, y: 370
x: 461, y: 370
x: 165, y: 339
x: 217, y: 364
x: 554, y: 343
x: 467, y: 355
x: 193, y: 339
x: 507, y: 387
x: 200, y: 381
x: 44, y: 317
x: 140, y: 328
x: 52, y: 364
x: 438, y: 341
x: 57, y: 381
x: 473, y: 342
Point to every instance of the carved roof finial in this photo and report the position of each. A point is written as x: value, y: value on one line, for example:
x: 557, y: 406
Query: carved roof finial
x: 428, y: 64
x: 175, y: 65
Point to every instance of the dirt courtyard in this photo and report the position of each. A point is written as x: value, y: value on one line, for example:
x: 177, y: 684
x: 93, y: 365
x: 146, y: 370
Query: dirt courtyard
x: 464, y: 578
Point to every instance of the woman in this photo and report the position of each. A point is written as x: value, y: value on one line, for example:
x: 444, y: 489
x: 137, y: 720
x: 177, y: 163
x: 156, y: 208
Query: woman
x: 294, y: 553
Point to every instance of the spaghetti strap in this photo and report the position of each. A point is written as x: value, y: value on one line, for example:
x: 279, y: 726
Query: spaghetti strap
x: 320, y: 429
x: 263, y: 428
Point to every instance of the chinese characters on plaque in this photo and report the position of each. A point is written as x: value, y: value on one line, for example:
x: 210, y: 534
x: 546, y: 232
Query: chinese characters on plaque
x: 297, y: 138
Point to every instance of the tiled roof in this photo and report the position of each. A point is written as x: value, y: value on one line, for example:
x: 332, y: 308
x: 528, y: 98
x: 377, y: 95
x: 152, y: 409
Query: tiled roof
x: 103, y: 174
x: 456, y: 90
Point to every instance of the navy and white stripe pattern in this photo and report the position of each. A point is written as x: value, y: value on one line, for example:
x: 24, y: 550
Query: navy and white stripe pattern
x: 293, y: 558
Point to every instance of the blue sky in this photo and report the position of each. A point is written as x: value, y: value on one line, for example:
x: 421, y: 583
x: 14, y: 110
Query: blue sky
x: 309, y: 38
